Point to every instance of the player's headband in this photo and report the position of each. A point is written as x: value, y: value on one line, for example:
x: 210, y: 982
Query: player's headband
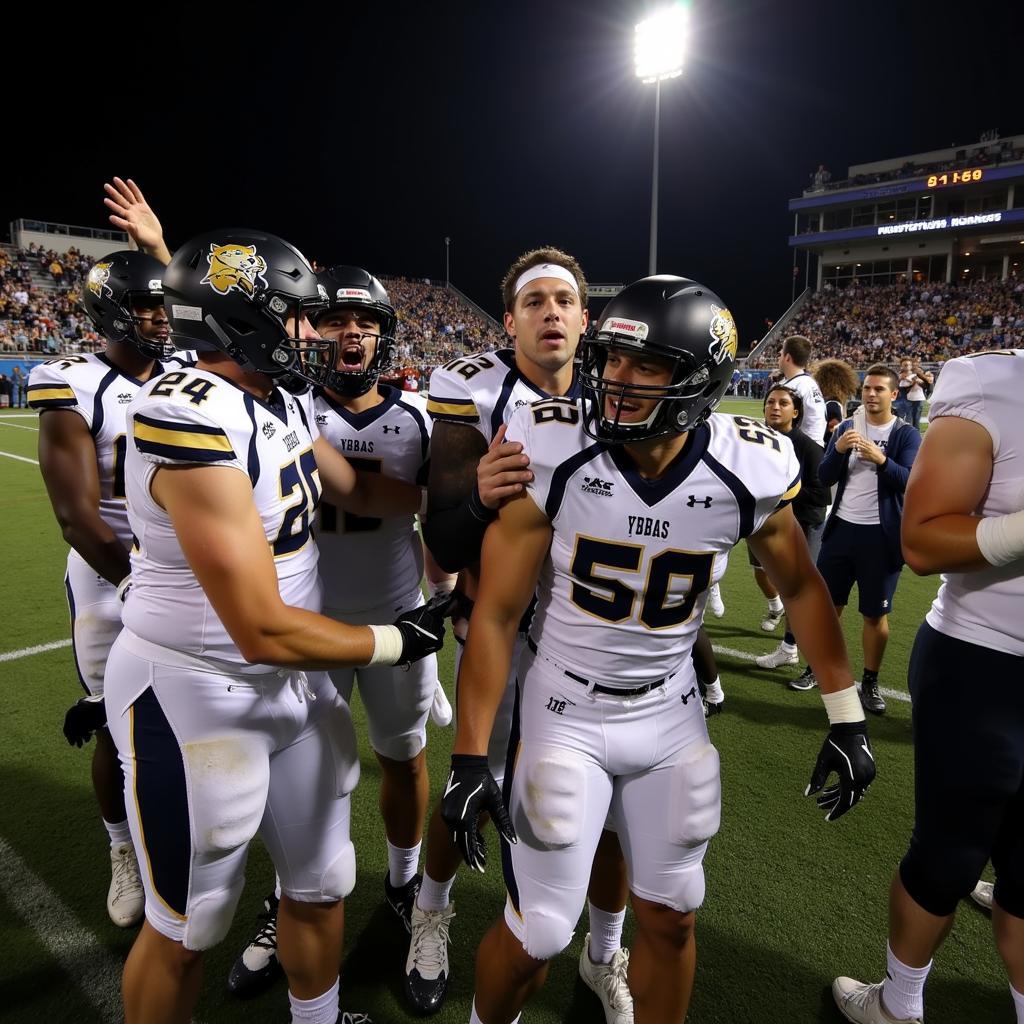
x: 539, y: 270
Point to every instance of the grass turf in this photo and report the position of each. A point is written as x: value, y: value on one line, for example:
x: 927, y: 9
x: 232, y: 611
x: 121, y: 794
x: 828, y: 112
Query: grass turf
x: 791, y: 901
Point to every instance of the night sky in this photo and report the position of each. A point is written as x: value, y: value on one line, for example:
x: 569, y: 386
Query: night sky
x: 367, y: 133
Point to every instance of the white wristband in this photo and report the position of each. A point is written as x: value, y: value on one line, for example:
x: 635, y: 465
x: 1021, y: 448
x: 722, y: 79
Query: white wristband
x: 1001, y: 538
x: 387, y: 645
x: 843, y: 706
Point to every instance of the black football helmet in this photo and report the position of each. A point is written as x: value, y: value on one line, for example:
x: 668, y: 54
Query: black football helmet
x: 671, y: 317
x: 114, y: 285
x: 234, y: 291
x: 355, y: 288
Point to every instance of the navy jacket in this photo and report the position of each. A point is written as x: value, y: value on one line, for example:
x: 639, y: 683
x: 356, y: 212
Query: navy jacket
x: 904, y: 441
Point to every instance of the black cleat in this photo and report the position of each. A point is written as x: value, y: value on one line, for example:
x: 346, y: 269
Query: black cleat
x: 426, y: 968
x: 402, y: 898
x: 871, y: 699
x: 258, y: 967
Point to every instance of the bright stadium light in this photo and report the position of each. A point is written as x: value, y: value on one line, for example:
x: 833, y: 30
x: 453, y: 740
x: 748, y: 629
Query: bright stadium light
x: 659, y: 53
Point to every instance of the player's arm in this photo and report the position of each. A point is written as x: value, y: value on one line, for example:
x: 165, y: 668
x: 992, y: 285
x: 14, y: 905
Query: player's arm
x: 130, y: 212
x: 782, y: 550
x: 365, y: 494
x: 948, y: 482
x: 468, y: 482
x: 221, y: 535
x: 67, y: 459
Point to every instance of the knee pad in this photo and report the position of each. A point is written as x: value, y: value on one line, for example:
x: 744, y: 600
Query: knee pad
x: 545, y: 935
x: 554, y: 793
x: 696, y: 795
x: 210, y: 916
x: 339, y: 878
x: 341, y: 735
x: 689, y: 888
x: 228, y: 782
x: 938, y: 881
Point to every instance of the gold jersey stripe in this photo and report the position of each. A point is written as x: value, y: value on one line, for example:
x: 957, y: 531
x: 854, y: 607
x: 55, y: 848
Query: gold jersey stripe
x: 51, y: 394
x: 183, y: 439
x: 452, y: 408
x: 792, y: 492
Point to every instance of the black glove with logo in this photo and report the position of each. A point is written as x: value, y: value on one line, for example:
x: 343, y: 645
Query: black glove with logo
x: 847, y: 752
x: 422, y: 628
x: 470, y: 790
x: 83, y: 719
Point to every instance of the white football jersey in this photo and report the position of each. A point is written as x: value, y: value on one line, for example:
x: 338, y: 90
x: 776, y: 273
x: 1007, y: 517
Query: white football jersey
x: 100, y: 393
x: 622, y: 591
x: 366, y: 562
x: 483, y: 391
x: 984, y: 607
x: 195, y: 417
x: 813, y: 421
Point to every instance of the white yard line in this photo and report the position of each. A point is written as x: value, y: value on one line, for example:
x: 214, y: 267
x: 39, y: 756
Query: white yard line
x: 20, y: 458
x: 731, y: 652
x: 19, y: 415
x: 25, y: 652
x: 16, y: 426
x: 93, y: 969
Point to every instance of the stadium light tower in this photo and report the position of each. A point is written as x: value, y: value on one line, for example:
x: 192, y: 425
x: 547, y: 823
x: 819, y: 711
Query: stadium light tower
x: 659, y: 52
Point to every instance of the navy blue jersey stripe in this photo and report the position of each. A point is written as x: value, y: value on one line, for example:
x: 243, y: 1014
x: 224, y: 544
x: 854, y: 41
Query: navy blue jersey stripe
x: 254, y: 457
x: 560, y: 477
x: 421, y: 423
x: 97, y: 402
x: 180, y: 453
x: 498, y: 415
x: 162, y: 799
x: 744, y: 499
x: 52, y: 403
x: 507, y: 868
x: 74, y: 650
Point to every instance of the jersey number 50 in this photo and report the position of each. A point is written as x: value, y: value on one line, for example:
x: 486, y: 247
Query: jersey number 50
x: 617, y: 602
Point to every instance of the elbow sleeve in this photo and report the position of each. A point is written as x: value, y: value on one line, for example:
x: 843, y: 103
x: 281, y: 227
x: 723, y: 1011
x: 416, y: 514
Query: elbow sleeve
x: 454, y: 536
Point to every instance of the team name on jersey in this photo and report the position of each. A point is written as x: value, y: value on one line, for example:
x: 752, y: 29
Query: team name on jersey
x: 350, y: 444
x: 645, y: 526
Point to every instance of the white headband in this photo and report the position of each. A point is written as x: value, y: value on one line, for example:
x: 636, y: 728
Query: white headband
x: 546, y: 270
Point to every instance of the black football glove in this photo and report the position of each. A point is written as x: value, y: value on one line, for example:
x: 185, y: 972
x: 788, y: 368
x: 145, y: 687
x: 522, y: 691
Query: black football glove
x: 422, y: 628
x: 83, y: 719
x: 470, y: 790
x: 847, y: 752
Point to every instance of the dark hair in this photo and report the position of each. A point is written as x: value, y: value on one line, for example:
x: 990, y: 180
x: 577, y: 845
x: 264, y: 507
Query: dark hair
x: 837, y: 379
x: 798, y: 348
x: 547, y: 254
x: 798, y: 401
x: 880, y: 370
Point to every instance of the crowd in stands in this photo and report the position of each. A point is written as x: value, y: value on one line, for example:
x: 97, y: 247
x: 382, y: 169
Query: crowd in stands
x: 931, y: 321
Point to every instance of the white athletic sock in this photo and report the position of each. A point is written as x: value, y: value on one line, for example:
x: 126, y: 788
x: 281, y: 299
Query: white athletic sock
x: 402, y: 863
x: 475, y: 1019
x: 788, y: 648
x: 903, y: 988
x: 1018, y: 1003
x: 605, y: 933
x: 118, y: 832
x: 434, y: 895
x: 321, y: 1010
x: 715, y: 692
x: 775, y: 605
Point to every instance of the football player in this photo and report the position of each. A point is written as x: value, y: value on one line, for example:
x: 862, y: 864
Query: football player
x: 473, y: 470
x: 220, y: 731
x: 371, y: 570
x: 962, y: 517
x: 82, y: 441
x: 637, y: 497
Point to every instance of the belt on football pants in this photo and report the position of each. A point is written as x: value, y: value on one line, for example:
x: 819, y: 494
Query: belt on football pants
x: 614, y: 691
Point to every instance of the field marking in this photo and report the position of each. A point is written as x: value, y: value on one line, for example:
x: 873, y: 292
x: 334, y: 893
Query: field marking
x: 19, y: 416
x: 20, y: 458
x: 93, y: 969
x: 16, y: 426
x: 25, y: 652
x: 731, y: 652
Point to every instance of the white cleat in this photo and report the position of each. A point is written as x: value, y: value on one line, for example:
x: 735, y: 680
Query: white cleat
x: 771, y: 620
x: 427, y: 969
x: 982, y: 894
x: 715, y: 602
x: 440, y: 709
x: 862, y: 1003
x: 126, y: 899
x: 608, y: 983
x: 782, y: 655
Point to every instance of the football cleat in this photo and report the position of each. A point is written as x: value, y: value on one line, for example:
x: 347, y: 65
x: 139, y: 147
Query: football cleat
x: 782, y: 655
x: 712, y: 707
x: 346, y: 1017
x: 982, y: 894
x: 258, y: 967
x: 426, y: 968
x: 402, y: 898
x: 862, y: 1003
x: 771, y: 620
x: 715, y: 602
x: 804, y: 681
x: 608, y: 983
x: 871, y: 700
x: 126, y: 898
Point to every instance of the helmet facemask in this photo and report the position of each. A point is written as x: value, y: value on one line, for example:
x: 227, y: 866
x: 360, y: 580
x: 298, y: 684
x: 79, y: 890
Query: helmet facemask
x: 152, y: 348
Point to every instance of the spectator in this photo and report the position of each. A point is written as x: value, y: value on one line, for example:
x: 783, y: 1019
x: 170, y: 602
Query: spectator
x: 913, y: 380
x: 838, y: 382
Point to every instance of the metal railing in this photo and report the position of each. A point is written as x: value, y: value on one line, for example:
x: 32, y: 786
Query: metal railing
x: 779, y: 326
x: 50, y: 228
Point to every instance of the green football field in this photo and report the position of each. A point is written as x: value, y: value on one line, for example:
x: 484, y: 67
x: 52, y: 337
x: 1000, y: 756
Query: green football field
x: 791, y: 901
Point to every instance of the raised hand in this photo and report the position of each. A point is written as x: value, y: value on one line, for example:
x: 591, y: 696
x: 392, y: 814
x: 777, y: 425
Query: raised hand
x: 130, y: 212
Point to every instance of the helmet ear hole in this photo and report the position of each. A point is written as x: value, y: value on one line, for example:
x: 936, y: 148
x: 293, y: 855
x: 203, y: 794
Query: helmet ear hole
x: 193, y: 261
